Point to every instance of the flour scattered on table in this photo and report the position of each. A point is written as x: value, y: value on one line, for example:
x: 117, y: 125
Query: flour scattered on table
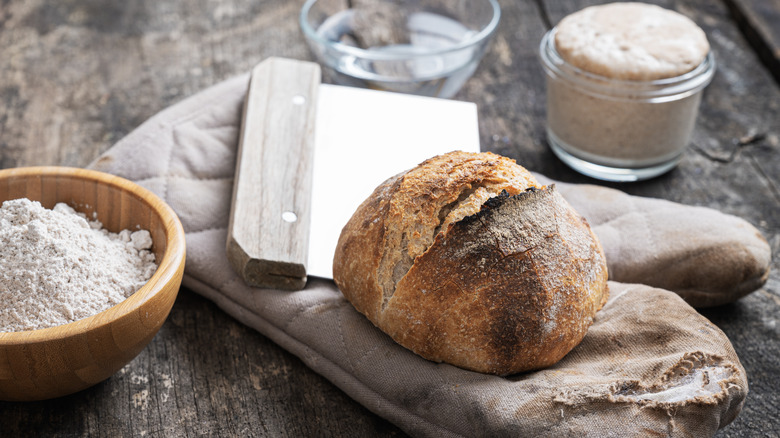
x: 58, y: 267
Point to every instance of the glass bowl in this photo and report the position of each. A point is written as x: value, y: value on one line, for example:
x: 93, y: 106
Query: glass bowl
x: 422, y: 47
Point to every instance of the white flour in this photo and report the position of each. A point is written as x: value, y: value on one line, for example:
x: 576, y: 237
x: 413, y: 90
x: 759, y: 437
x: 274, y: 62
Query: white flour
x: 56, y: 267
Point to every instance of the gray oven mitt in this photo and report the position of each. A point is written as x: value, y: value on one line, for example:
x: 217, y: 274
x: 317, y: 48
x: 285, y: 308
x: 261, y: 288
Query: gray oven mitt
x: 650, y: 364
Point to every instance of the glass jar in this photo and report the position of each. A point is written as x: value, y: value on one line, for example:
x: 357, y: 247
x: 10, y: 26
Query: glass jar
x: 619, y: 130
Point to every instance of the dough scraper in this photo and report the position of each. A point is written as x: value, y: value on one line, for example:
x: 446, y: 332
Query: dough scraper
x: 309, y: 153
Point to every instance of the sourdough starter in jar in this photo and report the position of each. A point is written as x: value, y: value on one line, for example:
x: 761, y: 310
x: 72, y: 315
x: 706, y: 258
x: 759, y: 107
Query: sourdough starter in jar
x: 624, y: 84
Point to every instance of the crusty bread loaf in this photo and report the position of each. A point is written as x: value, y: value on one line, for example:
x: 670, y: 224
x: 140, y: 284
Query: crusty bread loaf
x: 466, y: 259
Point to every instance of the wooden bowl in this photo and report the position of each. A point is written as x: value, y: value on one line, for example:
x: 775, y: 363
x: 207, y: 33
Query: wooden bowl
x: 56, y: 361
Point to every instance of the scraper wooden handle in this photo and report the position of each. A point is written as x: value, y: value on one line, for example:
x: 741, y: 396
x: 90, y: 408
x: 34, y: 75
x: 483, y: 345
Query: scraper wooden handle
x: 268, y: 234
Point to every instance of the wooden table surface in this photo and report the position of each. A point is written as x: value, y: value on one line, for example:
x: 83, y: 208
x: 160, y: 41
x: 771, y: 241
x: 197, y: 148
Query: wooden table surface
x: 77, y: 75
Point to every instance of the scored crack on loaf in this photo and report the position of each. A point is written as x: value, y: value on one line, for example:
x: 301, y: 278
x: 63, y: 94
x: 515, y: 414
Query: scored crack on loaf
x: 466, y: 259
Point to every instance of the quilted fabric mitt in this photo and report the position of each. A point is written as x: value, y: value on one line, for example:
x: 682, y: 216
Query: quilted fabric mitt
x: 707, y: 257
x: 649, y: 364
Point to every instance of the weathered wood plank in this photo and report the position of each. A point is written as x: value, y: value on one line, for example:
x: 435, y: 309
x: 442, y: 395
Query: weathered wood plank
x: 760, y: 22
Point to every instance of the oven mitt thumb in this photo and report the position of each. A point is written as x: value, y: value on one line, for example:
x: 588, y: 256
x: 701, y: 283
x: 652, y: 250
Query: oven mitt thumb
x: 707, y: 257
x: 650, y: 364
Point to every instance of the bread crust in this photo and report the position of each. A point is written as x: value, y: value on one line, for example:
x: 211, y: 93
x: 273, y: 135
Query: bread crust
x: 466, y: 259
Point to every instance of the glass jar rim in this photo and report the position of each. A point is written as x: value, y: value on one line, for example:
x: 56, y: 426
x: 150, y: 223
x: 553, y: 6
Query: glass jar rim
x: 483, y: 35
x: 671, y: 88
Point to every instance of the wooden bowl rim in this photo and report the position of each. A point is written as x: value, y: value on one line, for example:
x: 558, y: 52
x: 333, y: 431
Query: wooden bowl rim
x: 173, y: 257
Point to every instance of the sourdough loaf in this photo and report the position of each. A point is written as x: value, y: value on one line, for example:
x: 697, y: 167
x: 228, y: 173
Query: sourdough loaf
x: 466, y: 259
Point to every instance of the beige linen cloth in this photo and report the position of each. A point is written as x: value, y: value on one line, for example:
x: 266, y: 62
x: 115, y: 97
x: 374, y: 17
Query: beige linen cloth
x: 650, y: 364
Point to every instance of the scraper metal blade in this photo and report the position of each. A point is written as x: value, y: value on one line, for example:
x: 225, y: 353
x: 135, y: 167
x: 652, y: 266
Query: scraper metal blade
x: 309, y: 153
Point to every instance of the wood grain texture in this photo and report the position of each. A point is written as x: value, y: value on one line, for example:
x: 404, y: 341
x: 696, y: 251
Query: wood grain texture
x: 759, y: 20
x: 79, y: 74
x: 270, y: 214
x: 61, y: 360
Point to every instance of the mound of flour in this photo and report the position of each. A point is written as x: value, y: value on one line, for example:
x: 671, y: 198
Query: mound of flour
x: 57, y: 267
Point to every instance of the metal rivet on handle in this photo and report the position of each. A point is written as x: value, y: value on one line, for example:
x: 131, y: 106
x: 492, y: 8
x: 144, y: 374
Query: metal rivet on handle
x: 289, y: 216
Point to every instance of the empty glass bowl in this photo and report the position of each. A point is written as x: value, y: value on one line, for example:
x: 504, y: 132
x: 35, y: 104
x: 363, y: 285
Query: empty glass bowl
x: 423, y: 47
